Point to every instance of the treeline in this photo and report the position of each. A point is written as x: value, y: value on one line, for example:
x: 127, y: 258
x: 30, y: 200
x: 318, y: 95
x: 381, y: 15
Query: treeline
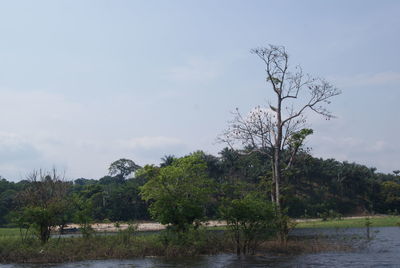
x: 313, y: 187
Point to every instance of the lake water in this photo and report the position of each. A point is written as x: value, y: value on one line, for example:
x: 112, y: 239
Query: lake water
x: 382, y: 251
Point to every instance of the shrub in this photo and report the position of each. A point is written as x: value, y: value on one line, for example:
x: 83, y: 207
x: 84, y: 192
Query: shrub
x: 250, y: 220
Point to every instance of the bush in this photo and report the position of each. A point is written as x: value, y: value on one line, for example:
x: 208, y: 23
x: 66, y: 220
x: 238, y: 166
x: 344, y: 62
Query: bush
x: 126, y: 236
x: 193, y: 241
x: 250, y: 220
x: 44, y: 204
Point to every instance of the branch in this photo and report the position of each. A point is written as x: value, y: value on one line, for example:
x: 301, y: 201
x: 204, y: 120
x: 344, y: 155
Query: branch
x: 319, y: 93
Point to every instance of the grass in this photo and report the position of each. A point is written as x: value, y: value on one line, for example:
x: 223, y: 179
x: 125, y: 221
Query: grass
x: 122, y: 245
x: 376, y: 221
x: 129, y: 245
x: 9, y: 232
x: 386, y: 221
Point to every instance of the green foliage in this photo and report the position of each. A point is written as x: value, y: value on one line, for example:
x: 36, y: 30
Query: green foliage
x: 167, y: 160
x: 127, y: 235
x: 40, y: 220
x: 122, y: 168
x: 44, y: 204
x: 83, y: 208
x: 312, y: 187
x: 250, y: 220
x: 297, y: 139
x: 8, y: 194
x: 191, y: 237
x: 391, y: 195
x: 113, y: 199
x: 330, y: 215
x: 319, y: 186
x: 178, y: 193
x: 119, y: 246
x: 243, y: 167
x: 376, y: 221
x: 284, y: 225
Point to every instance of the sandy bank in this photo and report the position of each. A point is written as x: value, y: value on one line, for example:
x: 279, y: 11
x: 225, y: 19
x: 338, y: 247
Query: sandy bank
x: 144, y: 226
x: 155, y: 226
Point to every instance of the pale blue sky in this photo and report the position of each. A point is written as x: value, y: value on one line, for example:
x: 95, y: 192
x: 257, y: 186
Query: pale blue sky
x: 83, y: 83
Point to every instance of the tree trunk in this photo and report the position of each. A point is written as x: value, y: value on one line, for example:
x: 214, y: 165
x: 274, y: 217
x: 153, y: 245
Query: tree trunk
x: 273, y: 182
x: 277, y: 153
x: 277, y: 179
x: 277, y: 168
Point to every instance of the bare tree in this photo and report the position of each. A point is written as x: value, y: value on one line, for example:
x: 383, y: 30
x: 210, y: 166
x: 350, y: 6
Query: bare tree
x: 280, y: 127
x: 44, y: 203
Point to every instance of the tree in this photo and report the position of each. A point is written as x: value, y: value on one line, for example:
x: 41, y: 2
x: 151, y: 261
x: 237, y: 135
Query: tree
x: 391, y: 195
x: 177, y: 193
x: 122, y: 168
x: 279, y: 129
x: 250, y: 220
x: 8, y: 191
x: 44, y: 203
x: 167, y: 160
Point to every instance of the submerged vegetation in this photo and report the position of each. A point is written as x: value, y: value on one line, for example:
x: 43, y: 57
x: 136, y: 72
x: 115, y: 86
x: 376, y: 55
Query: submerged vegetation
x: 128, y: 244
x: 250, y: 221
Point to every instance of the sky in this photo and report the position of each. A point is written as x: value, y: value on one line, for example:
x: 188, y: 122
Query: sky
x: 84, y: 83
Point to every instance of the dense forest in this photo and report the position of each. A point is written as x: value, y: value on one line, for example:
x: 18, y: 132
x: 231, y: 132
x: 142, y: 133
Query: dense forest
x: 313, y: 187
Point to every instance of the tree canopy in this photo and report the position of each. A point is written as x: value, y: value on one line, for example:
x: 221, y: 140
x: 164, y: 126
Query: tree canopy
x: 178, y: 192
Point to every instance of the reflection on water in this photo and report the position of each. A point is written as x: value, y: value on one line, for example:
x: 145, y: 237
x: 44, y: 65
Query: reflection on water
x: 382, y: 251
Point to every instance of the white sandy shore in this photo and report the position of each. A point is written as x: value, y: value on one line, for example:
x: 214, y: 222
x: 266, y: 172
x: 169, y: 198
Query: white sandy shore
x: 144, y: 226
x: 155, y: 226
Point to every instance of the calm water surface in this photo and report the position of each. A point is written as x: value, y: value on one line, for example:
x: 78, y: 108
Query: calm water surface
x: 382, y: 251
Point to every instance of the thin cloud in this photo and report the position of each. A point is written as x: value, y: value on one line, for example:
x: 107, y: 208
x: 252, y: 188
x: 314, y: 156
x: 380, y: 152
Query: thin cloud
x: 373, y: 153
x: 377, y: 79
x: 38, y: 110
x: 18, y: 156
x: 149, y: 142
x: 15, y: 148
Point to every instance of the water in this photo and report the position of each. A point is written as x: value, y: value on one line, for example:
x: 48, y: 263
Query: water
x: 382, y: 251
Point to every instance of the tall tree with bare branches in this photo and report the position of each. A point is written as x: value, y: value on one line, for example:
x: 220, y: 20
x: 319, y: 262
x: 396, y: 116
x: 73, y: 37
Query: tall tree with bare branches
x: 279, y: 128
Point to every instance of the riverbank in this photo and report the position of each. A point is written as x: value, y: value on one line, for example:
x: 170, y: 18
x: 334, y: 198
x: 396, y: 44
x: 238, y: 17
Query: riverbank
x: 127, y: 245
x: 378, y: 252
x: 141, y: 226
x: 345, y: 222
x: 351, y: 222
